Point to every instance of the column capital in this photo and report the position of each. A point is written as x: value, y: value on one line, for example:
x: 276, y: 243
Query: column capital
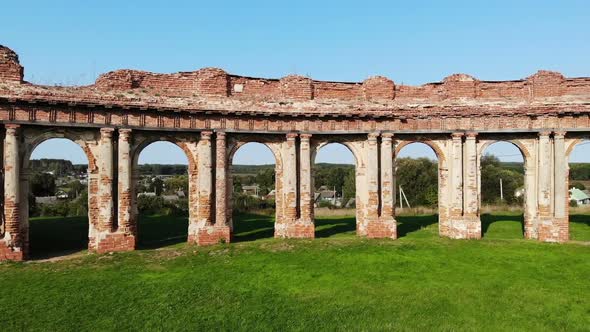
x: 220, y: 135
x: 387, y: 136
x: 206, y: 135
x: 471, y: 134
x: 11, y: 128
x: 291, y: 136
x: 545, y: 133
x: 373, y: 136
x: 106, y: 132
x: 559, y: 133
x: 305, y: 136
x: 125, y: 132
x: 457, y: 135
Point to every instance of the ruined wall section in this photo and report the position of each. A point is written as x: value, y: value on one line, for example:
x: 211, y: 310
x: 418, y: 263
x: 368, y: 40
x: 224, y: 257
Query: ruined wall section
x: 215, y: 82
x: 215, y: 89
x: 10, y: 69
x: 204, y: 82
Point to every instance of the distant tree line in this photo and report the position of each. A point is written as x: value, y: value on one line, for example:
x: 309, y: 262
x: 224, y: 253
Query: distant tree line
x: 159, y: 169
x: 580, y: 171
x: 58, y: 167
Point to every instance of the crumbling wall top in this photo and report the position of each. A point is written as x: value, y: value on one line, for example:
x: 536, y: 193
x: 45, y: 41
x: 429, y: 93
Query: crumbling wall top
x: 10, y: 69
x: 214, y: 88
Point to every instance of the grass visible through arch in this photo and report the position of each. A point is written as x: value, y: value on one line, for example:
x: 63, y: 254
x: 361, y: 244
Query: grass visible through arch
x: 339, y: 282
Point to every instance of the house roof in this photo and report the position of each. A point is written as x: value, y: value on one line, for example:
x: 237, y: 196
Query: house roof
x: 327, y: 194
x: 578, y: 194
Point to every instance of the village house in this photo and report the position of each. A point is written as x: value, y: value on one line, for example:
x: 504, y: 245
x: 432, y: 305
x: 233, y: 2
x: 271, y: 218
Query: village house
x: 579, y: 196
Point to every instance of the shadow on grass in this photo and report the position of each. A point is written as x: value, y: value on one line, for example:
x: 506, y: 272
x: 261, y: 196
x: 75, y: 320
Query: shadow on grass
x: 582, y: 219
x: 508, y: 226
x: 580, y: 227
x: 252, y: 227
x: 58, y: 236
x: 158, y: 231
x: 409, y: 224
x: 51, y: 237
x: 327, y: 227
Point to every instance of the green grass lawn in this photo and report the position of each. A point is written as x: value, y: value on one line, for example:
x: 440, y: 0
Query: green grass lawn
x: 335, y: 282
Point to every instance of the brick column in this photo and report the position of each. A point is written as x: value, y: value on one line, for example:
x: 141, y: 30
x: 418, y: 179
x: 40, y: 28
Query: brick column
x: 387, y: 182
x: 103, y: 235
x: 372, y: 177
x: 561, y: 175
x: 221, y: 231
x: 385, y: 226
x: 292, y: 224
x: 220, y: 180
x: 127, y: 230
x: 456, y: 176
x: 471, y: 188
x: 290, y: 174
x: 105, y: 186
x: 125, y: 183
x: 556, y: 229
x: 544, y: 177
x: 531, y: 204
x: 13, y: 244
x: 548, y: 225
x: 203, y: 189
x: 463, y: 220
x: 306, y: 191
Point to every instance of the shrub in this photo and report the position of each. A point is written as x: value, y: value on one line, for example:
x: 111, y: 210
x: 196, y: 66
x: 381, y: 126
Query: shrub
x: 326, y: 204
x: 157, y: 205
x: 150, y: 204
x: 244, y: 203
x: 578, y: 185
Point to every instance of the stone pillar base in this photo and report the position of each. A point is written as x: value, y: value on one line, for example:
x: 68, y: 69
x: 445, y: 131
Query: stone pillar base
x: 464, y: 228
x: 114, y: 242
x: 8, y: 253
x: 382, y: 229
x: 299, y: 229
x: 553, y: 230
x: 210, y: 235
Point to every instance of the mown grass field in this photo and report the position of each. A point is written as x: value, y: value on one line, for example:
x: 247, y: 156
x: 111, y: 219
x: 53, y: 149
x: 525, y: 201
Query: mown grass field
x: 335, y: 282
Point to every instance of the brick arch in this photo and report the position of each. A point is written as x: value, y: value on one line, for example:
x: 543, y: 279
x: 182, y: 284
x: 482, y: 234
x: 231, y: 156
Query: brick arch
x: 573, y: 143
x: 138, y: 147
x: 76, y: 138
x: 235, y: 144
x: 318, y: 144
x: 526, y: 155
x: 438, y: 151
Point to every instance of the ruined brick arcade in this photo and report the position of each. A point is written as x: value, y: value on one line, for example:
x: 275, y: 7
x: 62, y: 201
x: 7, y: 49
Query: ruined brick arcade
x: 209, y: 114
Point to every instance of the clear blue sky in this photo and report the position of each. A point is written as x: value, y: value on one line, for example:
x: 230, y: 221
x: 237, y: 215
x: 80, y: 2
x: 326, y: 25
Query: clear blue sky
x: 412, y: 42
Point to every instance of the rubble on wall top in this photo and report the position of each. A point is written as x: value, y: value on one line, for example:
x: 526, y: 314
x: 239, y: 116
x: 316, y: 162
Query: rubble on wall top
x: 214, y: 87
